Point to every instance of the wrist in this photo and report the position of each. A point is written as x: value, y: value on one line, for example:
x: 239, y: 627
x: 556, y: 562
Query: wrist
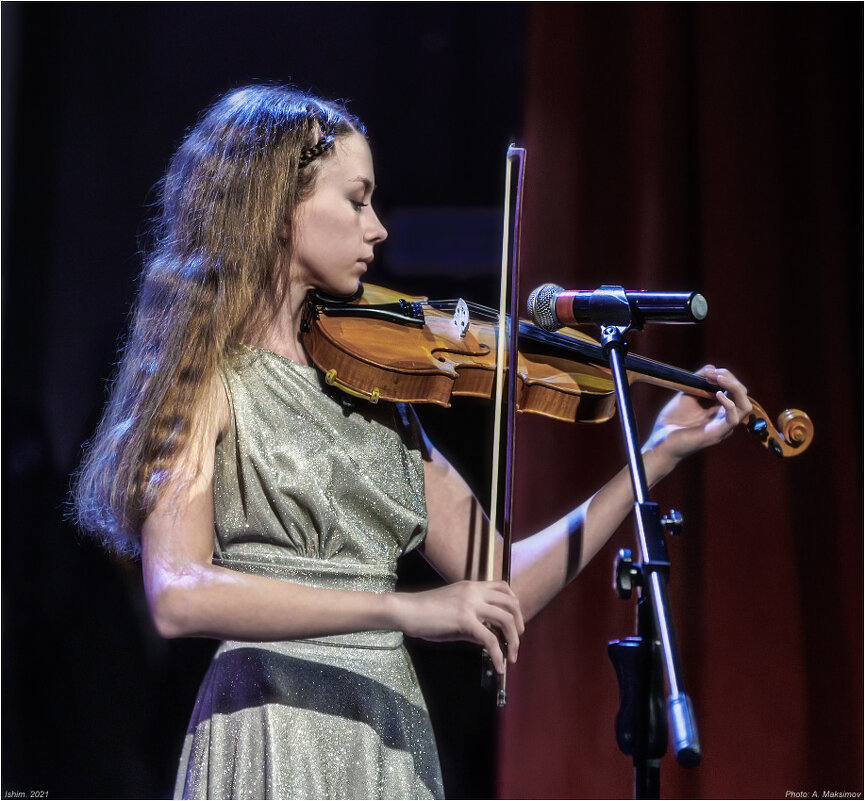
x: 393, y: 611
x: 658, y: 462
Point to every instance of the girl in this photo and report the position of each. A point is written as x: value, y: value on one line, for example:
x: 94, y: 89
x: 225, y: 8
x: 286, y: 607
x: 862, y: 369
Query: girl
x: 270, y: 516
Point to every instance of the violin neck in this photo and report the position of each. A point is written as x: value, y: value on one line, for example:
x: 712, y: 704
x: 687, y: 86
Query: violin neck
x: 648, y: 371
x: 640, y: 369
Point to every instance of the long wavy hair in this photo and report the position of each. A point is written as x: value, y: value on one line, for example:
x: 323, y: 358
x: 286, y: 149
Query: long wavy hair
x: 212, y: 278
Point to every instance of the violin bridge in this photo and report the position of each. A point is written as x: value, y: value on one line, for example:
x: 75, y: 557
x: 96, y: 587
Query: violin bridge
x: 460, y: 319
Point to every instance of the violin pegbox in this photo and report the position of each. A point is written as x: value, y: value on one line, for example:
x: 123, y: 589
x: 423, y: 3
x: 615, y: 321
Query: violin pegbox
x: 793, y: 434
x: 461, y: 320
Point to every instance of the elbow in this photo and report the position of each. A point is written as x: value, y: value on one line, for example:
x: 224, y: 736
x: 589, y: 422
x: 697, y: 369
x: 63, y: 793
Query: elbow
x: 178, y: 597
x: 170, y: 609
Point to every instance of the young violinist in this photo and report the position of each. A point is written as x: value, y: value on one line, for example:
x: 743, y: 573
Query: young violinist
x: 271, y: 517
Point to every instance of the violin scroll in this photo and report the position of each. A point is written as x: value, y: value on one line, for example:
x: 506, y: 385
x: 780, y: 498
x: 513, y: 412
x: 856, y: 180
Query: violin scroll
x: 793, y: 434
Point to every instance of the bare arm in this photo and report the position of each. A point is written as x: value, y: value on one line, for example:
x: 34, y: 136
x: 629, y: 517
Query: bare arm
x: 545, y: 562
x: 189, y: 596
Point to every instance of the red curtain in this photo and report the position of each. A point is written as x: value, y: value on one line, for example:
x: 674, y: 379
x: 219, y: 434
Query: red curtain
x: 713, y: 147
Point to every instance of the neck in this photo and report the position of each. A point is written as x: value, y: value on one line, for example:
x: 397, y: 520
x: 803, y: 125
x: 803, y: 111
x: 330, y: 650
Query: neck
x: 282, y: 336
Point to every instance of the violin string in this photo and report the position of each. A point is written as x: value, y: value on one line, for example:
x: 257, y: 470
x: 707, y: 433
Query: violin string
x: 478, y: 310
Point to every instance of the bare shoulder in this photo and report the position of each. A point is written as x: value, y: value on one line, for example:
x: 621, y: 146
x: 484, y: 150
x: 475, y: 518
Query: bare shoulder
x: 191, y: 469
x: 208, y: 424
x: 179, y: 528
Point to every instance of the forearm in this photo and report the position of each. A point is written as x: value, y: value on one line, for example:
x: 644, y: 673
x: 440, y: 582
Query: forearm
x: 211, y: 601
x: 544, y: 563
x: 547, y: 561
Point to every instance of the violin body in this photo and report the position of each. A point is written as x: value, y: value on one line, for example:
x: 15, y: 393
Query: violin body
x: 381, y: 360
x: 426, y: 353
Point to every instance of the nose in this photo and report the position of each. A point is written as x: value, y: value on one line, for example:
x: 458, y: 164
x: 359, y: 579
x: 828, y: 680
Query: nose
x: 376, y: 232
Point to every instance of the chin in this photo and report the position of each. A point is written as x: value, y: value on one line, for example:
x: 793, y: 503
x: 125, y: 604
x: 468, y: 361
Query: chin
x: 342, y: 290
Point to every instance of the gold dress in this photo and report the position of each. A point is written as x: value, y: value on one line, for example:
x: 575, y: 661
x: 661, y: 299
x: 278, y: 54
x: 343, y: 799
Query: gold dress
x: 310, y: 491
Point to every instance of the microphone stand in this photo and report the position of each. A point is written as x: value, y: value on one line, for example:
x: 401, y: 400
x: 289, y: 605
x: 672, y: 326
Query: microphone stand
x: 641, y: 661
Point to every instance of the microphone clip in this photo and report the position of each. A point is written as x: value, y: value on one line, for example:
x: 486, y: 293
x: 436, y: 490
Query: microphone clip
x: 609, y: 306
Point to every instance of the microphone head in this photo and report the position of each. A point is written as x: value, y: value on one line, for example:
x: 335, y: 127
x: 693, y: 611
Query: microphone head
x: 541, y: 306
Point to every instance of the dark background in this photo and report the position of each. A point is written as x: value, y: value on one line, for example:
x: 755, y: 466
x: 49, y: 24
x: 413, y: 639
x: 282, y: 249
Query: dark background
x: 709, y: 147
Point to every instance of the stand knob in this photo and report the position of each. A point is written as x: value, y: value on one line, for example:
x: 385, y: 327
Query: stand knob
x: 673, y: 522
x: 626, y: 575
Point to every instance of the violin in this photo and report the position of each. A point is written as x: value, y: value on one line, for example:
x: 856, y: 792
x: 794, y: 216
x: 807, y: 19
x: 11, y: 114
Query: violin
x: 385, y: 345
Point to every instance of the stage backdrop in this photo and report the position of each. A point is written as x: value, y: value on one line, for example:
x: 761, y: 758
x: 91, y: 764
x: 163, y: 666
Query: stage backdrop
x: 714, y: 148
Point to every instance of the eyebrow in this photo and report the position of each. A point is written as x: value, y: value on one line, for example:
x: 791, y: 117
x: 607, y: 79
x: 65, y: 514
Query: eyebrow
x: 367, y: 184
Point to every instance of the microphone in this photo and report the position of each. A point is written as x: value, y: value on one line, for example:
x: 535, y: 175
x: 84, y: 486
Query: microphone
x: 551, y: 307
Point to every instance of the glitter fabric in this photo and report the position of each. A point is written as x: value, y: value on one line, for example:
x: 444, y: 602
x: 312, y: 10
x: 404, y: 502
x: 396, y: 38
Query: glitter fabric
x: 310, y: 491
